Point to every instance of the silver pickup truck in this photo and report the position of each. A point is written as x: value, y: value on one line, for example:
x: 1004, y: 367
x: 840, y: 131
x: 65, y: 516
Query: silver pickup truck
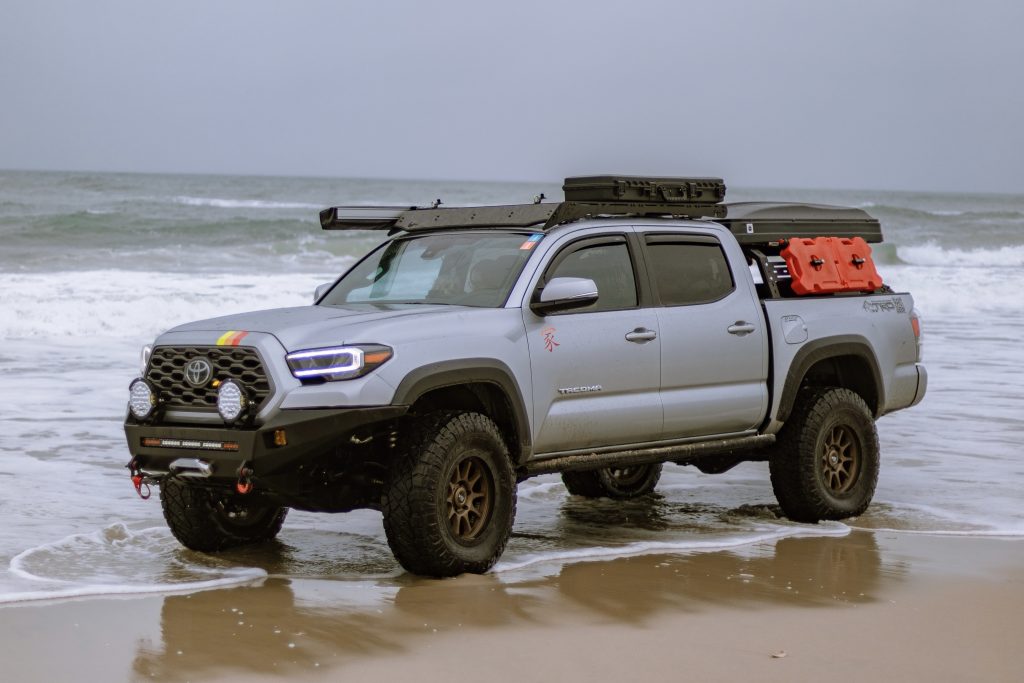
x: 597, y: 337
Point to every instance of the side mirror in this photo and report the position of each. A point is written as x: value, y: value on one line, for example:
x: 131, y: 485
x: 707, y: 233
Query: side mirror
x: 319, y: 292
x: 564, y: 294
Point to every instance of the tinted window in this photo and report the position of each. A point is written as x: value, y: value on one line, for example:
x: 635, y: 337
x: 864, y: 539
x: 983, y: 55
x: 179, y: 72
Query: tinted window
x: 686, y: 273
x: 609, y: 266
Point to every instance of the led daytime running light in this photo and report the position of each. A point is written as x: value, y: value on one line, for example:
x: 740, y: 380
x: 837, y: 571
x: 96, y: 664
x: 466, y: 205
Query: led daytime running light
x: 355, y: 362
x: 338, y: 362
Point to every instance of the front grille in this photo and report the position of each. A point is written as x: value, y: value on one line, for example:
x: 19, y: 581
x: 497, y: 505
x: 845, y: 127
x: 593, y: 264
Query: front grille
x: 240, y: 363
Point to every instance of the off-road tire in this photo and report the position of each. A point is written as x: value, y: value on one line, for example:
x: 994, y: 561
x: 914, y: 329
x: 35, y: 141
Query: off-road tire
x: 621, y: 483
x: 208, y: 521
x: 825, y: 462
x: 443, y: 456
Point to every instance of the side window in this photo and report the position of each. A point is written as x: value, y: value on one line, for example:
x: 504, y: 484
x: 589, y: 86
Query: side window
x: 688, y: 270
x: 608, y: 264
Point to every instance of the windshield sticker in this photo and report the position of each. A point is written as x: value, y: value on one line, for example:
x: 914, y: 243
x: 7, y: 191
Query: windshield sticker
x: 549, y: 338
x: 531, y: 242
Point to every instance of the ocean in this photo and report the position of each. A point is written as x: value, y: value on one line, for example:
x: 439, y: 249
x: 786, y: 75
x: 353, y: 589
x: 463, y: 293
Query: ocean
x: 93, y: 266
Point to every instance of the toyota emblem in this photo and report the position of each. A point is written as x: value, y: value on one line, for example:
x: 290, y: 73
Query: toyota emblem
x: 198, y: 372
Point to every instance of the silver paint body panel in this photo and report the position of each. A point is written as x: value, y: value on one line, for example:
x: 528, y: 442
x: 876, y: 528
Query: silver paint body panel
x: 693, y: 379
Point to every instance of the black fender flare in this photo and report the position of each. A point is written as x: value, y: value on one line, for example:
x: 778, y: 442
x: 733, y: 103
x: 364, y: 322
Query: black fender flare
x: 822, y: 349
x: 471, y: 371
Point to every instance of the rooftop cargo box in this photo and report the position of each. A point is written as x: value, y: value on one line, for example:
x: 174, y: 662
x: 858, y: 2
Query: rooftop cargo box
x: 769, y: 223
x: 644, y: 190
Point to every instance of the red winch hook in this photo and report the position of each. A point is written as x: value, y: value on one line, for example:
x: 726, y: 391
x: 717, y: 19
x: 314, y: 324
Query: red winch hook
x: 139, y: 480
x: 244, y: 484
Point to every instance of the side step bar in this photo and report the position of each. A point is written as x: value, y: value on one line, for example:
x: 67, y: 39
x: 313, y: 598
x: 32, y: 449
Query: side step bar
x: 645, y: 456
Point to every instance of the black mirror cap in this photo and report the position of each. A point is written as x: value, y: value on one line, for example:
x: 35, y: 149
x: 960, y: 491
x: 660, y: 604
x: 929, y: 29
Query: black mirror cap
x: 543, y: 308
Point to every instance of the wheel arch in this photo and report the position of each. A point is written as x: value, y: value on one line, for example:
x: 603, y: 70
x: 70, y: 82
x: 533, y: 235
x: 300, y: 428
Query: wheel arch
x: 846, y: 361
x: 482, y: 385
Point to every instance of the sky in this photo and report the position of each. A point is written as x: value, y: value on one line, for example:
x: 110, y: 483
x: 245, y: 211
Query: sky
x: 900, y: 94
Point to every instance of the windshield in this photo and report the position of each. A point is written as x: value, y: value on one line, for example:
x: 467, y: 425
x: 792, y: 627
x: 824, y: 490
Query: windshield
x: 464, y: 269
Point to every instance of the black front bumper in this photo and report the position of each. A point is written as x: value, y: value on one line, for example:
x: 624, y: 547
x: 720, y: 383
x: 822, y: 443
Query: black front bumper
x: 222, y: 450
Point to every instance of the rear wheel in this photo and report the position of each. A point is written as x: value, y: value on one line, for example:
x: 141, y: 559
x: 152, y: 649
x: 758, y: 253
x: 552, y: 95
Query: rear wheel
x: 613, y: 482
x: 205, y: 520
x: 825, y: 463
x: 451, y: 499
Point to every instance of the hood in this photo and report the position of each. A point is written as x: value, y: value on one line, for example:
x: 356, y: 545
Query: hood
x: 305, y: 327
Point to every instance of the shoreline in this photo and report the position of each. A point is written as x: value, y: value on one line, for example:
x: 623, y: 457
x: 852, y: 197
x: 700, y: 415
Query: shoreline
x: 900, y: 606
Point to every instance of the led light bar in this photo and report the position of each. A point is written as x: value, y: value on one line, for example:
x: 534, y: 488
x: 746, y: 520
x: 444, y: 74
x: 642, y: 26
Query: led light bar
x: 192, y: 444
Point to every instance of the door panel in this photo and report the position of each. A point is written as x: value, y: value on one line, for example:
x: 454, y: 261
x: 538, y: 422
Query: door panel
x: 593, y: 386
x: 714, y: 362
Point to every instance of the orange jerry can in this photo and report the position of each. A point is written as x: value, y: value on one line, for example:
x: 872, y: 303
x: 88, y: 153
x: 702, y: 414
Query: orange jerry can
x: 825, y: 265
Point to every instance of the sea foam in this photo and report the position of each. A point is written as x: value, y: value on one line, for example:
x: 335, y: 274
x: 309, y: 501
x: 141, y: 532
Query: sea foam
x: 120, y: 303
x: 116, y: 560
x: 219, y: 203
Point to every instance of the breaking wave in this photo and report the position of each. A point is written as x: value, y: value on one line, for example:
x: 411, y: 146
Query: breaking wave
x: 243, y: 203
x: 931, y: 254
x: 119, y: 561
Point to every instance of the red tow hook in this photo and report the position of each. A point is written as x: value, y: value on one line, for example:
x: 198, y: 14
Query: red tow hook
x: 244, y: 484
x: 139, y: 480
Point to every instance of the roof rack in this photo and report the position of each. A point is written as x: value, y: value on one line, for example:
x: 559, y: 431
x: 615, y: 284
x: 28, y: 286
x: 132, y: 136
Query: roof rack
x: 586, y: 197
x: 539, y: 216
x: 753, y: 223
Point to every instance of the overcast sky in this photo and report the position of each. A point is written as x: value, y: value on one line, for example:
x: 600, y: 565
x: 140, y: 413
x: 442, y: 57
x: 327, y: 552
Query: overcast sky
x: 914, y: 94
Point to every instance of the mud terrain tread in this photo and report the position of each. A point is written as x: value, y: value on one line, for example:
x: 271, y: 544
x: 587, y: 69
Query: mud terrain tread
x: 584, y: 484
x: 593, y: 484
x: 198, y: 525
x: 793, y: 458
x: 411, y: 522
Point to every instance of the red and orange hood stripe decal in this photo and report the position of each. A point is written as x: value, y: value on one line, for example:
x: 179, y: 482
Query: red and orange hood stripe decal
x: 232, y: 338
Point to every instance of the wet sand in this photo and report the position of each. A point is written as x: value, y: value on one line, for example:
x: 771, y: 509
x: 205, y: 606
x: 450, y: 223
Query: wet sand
x: 868, y: 606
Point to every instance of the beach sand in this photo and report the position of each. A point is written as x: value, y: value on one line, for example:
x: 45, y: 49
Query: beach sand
x: 868, y: 606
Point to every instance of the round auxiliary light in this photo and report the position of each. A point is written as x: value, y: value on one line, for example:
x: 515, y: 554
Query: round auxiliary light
x: 232, y: 401
x: 141, y: 399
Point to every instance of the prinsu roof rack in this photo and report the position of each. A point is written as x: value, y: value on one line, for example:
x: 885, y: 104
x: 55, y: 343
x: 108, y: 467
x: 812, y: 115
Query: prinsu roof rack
x: 586, y: 197
x: 753, y: 223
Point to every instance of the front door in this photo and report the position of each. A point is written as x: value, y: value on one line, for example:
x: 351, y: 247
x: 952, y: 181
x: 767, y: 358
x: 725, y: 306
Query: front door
x: 596, y: 370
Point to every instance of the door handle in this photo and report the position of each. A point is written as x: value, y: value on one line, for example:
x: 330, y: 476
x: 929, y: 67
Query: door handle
x: 740, y: 327
x: 641, y: 335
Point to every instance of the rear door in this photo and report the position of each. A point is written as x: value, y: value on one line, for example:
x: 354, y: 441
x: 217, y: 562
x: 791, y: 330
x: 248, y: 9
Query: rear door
x: 714, y: 355
x: 596, y: 371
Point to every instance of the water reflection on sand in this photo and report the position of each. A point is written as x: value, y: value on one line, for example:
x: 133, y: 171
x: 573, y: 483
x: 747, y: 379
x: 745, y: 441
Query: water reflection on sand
x: 302, y: 623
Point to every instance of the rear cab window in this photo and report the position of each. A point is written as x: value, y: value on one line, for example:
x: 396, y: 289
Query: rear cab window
x: 687, y: 269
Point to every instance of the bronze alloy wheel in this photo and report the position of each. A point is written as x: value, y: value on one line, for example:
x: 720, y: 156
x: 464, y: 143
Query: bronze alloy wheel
x: 840, y: 459
x: 824, y: 464
x: 470, y: 498
x: 450, y: 500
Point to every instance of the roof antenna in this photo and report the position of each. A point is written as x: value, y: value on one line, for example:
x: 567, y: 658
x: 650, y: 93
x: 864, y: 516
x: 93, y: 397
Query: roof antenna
x: 437, y: 203
x: 537, y: 199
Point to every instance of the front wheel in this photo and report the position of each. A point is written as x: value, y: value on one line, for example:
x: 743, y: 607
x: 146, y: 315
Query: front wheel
x: 205, y: 520
x: 451, y: 499
x: 825, y: 463
x: 621, y: 483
